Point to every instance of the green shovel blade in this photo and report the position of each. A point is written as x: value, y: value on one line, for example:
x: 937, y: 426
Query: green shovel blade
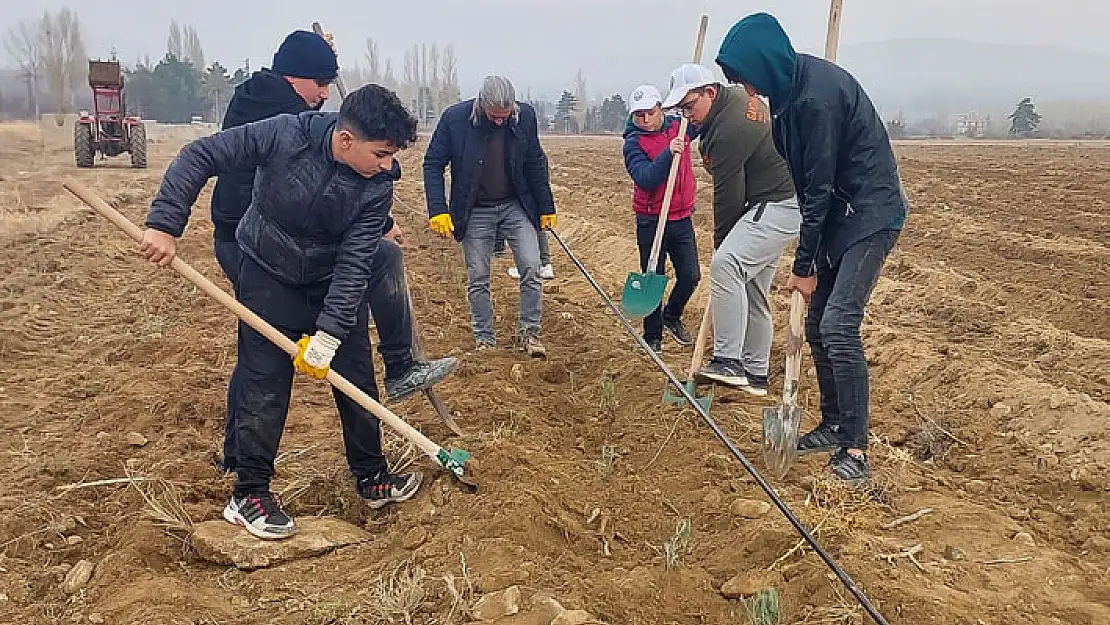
x: 643, y: 292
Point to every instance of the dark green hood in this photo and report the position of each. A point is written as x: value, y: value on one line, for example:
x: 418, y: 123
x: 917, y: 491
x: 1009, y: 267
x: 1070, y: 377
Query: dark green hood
x: 757, y: 52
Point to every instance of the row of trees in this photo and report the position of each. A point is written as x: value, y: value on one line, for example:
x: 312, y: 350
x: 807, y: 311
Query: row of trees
x: 1024, y: 122
x: 429, y: 79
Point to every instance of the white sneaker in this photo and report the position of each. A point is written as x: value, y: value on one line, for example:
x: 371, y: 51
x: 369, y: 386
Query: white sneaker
x: 547, y: 272
x: 513, y: 273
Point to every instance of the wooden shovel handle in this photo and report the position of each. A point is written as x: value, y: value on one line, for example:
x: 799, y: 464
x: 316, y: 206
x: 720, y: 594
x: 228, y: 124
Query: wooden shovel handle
x: 794, y: 339
x: 668, y: 194
x: 832, y: 35
x: 703, y: 332
x: 250, y: 318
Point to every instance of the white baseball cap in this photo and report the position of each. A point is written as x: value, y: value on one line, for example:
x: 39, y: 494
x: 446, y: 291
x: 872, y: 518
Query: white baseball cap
x: 686, y: 78
x: 644, y: 98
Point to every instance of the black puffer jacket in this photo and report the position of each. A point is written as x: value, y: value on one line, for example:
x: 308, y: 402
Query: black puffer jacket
x: 265, y: 94
x: 311, y: 219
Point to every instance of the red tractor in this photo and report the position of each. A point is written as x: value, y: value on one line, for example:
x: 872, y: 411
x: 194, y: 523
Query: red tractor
x: 109, y: 130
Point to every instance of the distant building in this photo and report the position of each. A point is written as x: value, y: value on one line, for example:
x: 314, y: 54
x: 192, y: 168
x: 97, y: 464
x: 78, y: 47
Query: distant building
x: 972, y: 125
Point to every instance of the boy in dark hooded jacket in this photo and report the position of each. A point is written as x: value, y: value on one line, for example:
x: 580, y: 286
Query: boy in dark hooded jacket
x: 651, y: 143
x: 308, y: 240
x: 853, y: 209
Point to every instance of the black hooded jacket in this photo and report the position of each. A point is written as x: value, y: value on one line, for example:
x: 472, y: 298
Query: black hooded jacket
x: 264, y: 95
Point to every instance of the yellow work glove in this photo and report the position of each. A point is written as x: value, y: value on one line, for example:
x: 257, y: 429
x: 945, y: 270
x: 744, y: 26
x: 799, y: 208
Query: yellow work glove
x: 314, y: 354
x: 441, y: 224
x: 547, y: 221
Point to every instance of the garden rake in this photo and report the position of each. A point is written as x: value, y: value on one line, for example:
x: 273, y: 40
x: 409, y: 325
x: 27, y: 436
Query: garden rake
x: 691, y: 383
x: 457, y: 462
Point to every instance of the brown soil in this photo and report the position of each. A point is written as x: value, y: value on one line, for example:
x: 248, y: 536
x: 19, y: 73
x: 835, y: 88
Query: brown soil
x: 988, y: 336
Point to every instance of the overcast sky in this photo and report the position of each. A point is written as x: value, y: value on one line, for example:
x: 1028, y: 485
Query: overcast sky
x: 617, y: 43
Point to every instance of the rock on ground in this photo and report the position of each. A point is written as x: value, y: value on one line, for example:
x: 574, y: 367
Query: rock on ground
x: 223, y: 543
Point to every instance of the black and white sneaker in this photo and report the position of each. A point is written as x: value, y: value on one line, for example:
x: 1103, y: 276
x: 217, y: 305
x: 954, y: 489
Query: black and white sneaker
x: 757, y: 384
x: 852, y: 468
x: 656, y: 345
x: 824, y: 437
x: 420, y: 375
x: 260, y: 514
x: 727, y: 371
x: 678, y: 332
x: 385, y: 488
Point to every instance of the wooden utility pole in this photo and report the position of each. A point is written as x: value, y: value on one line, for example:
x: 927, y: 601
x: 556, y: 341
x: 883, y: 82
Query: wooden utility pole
x: 832, y: 37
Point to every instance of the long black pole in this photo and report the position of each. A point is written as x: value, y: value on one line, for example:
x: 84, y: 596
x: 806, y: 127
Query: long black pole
x: 786, y: 511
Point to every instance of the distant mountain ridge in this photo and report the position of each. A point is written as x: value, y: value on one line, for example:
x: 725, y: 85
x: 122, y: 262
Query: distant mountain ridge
x: 924, y: 77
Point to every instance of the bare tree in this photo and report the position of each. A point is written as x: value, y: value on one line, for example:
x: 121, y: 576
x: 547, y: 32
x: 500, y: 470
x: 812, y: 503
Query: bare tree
x: 175, y: 44
x: 449, y: 88
x: 24, y: 43
x: 63, y: 55
x: 580, y: 99
x: 191, y: 48
x: 389, y: 79
x: 373, y: 59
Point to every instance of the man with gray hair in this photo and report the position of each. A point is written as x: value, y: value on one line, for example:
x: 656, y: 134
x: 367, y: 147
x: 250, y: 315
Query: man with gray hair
x: 499, y: 186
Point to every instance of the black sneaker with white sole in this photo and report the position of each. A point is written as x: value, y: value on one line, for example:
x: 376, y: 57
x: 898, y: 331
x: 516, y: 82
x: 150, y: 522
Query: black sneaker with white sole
x: 678, y: 332
x: 757, y: 384
x: 852, y: 468
x: 385, y: 488
x: 727, y: 371
x: 656, y: 345
x: 420, y: 375
x: 260, y: 514
x: 823, y: 438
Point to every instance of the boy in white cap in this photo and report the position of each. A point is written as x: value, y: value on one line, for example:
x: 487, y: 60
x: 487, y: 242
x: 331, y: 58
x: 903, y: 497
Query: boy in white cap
x: 755, y: 216
x: 651, y: 142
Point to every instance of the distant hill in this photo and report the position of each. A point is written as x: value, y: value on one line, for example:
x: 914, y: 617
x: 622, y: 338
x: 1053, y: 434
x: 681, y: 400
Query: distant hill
x: 926, y: 77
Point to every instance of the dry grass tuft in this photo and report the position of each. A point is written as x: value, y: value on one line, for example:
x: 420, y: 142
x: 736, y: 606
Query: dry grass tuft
x: 678, y: 545
x: 400, y: 593
x: 163, y: 504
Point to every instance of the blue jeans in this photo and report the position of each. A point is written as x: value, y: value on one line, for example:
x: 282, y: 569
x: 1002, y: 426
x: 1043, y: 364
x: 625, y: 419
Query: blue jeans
x: 832, y: 330
x: 681, y: 246
x: 482, y: 229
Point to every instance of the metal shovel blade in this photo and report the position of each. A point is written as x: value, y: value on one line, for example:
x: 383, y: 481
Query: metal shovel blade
x: 780, y: 438
x: 674, y: 397
x: 643, y: 292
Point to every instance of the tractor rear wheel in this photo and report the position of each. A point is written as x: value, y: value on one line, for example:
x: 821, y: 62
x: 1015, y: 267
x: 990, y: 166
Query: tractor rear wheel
x: 83, y: 151
x: 138, y: 145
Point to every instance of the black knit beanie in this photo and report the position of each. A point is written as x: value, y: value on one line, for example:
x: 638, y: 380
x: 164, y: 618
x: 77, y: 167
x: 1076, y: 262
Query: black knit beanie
x: 305, y: 54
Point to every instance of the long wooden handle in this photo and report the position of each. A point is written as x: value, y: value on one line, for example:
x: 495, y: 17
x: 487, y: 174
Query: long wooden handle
x: 250, y: 318
x: 342, y: 88
x: 703, y: 332
x: 794, y: 339
x: 665, y: 210
x: 832, y: 36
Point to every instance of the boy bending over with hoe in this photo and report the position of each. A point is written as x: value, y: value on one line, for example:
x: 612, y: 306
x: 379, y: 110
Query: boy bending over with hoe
x: 322, y: 194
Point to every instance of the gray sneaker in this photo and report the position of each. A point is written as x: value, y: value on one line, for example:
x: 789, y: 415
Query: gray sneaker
x: 727, y: 371
x: 530, y: 343
x: 260, y: 514
x: 419, y: 376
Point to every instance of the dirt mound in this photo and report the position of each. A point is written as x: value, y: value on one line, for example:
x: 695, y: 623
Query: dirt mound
x: 988, y: 338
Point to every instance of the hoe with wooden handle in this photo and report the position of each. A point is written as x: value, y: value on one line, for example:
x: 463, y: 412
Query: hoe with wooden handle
x: 457, y: 461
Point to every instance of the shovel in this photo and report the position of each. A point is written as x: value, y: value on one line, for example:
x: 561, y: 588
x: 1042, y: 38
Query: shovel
x: 643, y: 292
x: 780, y: 424
x: 691, y: 383
x: 456, y: 461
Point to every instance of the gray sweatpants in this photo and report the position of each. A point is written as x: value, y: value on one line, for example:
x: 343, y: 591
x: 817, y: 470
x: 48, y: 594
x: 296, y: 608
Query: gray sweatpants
x: 740, y: 279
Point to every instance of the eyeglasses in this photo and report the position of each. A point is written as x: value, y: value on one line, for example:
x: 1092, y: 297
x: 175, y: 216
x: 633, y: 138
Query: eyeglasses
x: 688, y: 107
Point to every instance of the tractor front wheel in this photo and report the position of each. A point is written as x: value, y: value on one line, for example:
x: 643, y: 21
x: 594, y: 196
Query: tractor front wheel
x: 138, y: 145
x: 83, y: 149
